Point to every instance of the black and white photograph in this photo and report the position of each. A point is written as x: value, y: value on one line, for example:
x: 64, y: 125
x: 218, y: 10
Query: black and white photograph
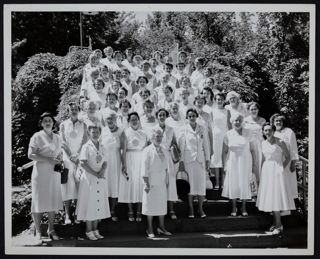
x: 177, y: 129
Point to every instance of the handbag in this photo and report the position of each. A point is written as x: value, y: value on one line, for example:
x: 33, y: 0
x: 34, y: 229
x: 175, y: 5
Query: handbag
x: 60, y: 168
x: 183, y: 185
x: 175, y: 153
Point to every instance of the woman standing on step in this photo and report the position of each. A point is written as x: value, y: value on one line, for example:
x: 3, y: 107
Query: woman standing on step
x: 195, y: 159
x: 272, y: 193
x: 74, y: 134
x: 168, y: 140
x: 112, y: 139
x: 93, y: 204
x: 238, y: 157
x: 288, y: 136
x: 130, y: 183
x: 155, y: 163
x: 44, y: 148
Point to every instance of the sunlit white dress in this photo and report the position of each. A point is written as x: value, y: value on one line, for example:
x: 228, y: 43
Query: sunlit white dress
x: 72, y: 134
x: 45, y: 182
x: 257, y: 138
x: 130, y: 191
x: 93, y: 201
x: 273, y: 194
x: 238, y: 165
x: 219, y: 129
x: 289, y: 137
x: 155, y: 167
x: 111, y: 143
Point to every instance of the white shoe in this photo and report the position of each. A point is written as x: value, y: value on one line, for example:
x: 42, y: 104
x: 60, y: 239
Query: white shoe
x: 285, y: 213
x: 91, y: 236
x: 97, y: 234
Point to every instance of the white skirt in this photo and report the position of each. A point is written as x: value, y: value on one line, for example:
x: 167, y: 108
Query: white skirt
x: 93, y: 201
x: 172, y: 188
x: 273, y: 194
x: 113, y: 172
x: 130, y: 191
x: 69, y: 190
x: 197, y: 178
x: 154, y: 203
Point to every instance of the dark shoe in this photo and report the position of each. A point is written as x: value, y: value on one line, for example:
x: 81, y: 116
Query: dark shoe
x: 53, y: 235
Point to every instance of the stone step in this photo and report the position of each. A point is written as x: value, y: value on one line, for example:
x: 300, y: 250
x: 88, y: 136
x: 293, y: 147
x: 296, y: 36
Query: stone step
x: 291, y: 238
x: 182, y: 225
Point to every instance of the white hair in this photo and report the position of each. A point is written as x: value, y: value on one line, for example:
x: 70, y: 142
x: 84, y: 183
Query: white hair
x: 235, y: 116
x: 232, y: 94
x: 110, y: 114
x: 155, y: 130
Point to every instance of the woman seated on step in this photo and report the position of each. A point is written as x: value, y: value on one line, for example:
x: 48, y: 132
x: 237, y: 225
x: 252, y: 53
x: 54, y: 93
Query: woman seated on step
x: 155, y: 165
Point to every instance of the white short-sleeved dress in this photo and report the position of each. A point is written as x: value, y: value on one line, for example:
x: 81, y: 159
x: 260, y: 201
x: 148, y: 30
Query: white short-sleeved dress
x: 176, y: 125
x: 242, y: 109
x: 155, y: 167
x: 172, y: 168
x: 257, y: 138
x: 148, y: 124
x: 219, y: 129
x: 273, y: 194
x: 111, y: 143
x: 93, y: 201
x: 72, y: 134
x: 288, y: 136
x: 130, y: 191
x: 238, y: 165
x: 45, y: 182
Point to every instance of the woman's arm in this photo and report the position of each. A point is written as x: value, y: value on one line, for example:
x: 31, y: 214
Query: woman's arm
x: 123, y: 154
x: 286, y: 153
x: 228, y: 120
x: 225, y: 150
x: 33, y: 155
x: 87, y: 168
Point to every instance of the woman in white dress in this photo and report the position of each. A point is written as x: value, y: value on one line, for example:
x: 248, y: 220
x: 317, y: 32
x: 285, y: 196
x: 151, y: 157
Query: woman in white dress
x: 254, y: 123
x: 148, y: 119
x: 122, y: 118
x: 197, y: 76
x: 238, y: 158
x: 177, y: 120
x: 113, y: 138
x: 93, y: 117
x: 130, y: 183
x: 235, y: 105
x: 168, y: 140
x: 86, y: 75
x: 207, y: 94
x: 155, y: 161
x: 272, y: 194
x: 128, y: 83
x: 288, y: 136
x: 73, y: 134
x: 168, y: 98
x: 221, y: 124
x: 44, y: 150
x: 195, y: 159
x: 93, y: 202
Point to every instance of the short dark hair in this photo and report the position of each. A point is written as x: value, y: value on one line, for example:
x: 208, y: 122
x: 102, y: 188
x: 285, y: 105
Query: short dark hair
x: 220, y: 94
x: 197, y: 98
x: 169, y: 65
x: 94, y: 127
x: 148, y: 102
x: 125, y: 101
x: 144, y: 77
x: 209, y: 90
x: 117, y: 52
x: 169, y: 87
x: 124, y: 89
x: 268, y: 124
x: 112, y: 94
x: 46, y: 114
x: 162, y: 110
x: 133, y: 114
x: 73, y: 104
x: 192, y: 110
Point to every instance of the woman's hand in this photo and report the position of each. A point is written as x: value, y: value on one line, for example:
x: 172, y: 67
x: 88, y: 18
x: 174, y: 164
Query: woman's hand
x: 181, y: 166
x: 147, y: 188
x: 208, y: 165
x: 74, y: 158
x: 292, y: 166
x: 124, y: 172
x: 53, y: 161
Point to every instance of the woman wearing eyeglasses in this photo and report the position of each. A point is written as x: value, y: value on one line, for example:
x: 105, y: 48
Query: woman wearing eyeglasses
x: 195, y: 157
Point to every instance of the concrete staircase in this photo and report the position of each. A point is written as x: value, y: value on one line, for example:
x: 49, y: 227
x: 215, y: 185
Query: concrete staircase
x: 218, y: 230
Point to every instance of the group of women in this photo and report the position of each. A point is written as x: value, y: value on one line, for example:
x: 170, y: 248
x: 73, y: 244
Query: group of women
x: 139, y: 122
